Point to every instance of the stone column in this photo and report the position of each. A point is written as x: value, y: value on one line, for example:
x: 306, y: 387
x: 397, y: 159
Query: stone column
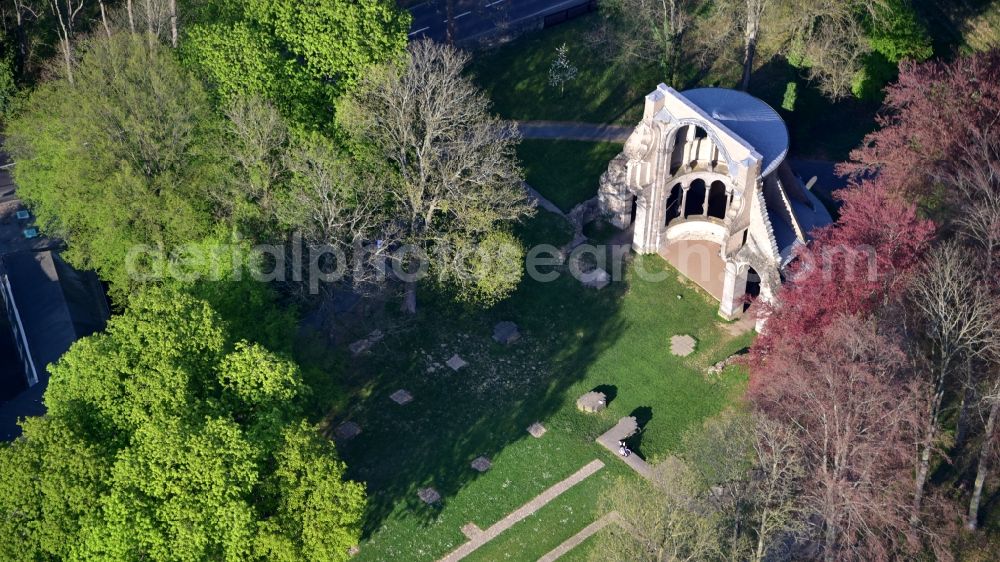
x: 708, y: 192
x: 648, y: 214
x: 734, y: 288
x: 688, y: 147
x: 684, y: 199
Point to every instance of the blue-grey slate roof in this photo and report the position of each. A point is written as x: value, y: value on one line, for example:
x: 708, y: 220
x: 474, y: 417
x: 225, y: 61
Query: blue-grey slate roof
x: 749, y: 118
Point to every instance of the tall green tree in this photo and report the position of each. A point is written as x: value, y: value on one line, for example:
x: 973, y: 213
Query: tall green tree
x: 165, y: 439
x: 299, y: 55
x: 127, y: 155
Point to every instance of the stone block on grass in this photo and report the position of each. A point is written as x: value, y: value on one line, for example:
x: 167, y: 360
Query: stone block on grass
x: 401, y: 397
x: 595, y: 279
x: 347, y: 431
x: 456, y: 362
x: 536, y: 430
x: 429, y: 496
x: 592, y: 402
x: 481, y: 464
x: 506, y: 333
x: 682, y: 345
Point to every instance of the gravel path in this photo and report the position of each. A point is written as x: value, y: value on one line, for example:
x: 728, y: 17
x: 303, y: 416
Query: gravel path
x: 524, y: 511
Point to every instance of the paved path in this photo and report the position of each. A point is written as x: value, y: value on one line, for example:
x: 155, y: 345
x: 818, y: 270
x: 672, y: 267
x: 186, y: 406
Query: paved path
x: 583, y: 535
x: 524, y: 511
x: 568, y: 130
x: 625, y: 428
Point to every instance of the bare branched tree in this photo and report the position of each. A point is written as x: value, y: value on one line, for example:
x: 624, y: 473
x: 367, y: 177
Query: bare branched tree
x: 459, y: 180
x: 65, y: 15
x: 987, y: 449
x: 651, y: 30
x: 956, y: 316
x: 337, y: 208
x: 775, y: 485
x: 258, y: 142
x: 667, y: 519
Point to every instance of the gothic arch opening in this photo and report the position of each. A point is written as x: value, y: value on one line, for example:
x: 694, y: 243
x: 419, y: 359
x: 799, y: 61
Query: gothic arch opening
x: 673, y: 204
x: 677, y: 156
x: 717, y: 200
x: 753, y: 283
x: 695, y: 198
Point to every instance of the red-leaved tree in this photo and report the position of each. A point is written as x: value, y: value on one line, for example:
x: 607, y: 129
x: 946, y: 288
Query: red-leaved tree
x: 859, y: 264
x: 939, y: 130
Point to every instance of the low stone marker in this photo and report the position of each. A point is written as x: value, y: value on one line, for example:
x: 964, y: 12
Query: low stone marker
x: 592, y: 402
x: 359, y: 347
x: 455, y: 362
x: 682, y: 345
x: 596, y: 279
x: 401, y: 397
x: 506, y: 333
x: 536, y: 430
x: 363, y: 345
x: 481, y: 464
x: 429, y: 495
x: 347, y: 430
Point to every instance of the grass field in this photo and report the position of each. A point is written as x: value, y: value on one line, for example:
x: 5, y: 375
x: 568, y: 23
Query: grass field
x: 516, y: 76
x: 573, y: 340
x: 566, y: 172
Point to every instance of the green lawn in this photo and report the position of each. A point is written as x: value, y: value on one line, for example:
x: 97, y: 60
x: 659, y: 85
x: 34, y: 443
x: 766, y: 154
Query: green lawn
x: 566, y: 172
x: 573, y: 340
x: 516, y: 76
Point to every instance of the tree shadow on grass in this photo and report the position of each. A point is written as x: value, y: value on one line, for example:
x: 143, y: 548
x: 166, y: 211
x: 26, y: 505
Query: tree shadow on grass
x: 818, y: 127
x: 479, y: 410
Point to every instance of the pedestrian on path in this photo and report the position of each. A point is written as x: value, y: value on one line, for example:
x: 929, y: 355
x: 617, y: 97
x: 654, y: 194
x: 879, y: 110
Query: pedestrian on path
x: 623, y: 449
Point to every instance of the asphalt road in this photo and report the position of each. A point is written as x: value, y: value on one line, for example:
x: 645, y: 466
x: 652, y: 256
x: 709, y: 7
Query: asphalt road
x: 475, y: 17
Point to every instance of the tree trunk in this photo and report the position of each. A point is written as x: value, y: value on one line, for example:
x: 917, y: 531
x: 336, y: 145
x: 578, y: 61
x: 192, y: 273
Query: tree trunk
x: 131, y: 16
x: 22, y: 39
x: 968, y: 398
x: 983, y: 468
x: 750, y: 50
x: 450, y: 17
x: 173, y: 23
x: 149, y: 22
x: 64, y: 40
x: 410, y: 298
x: 104, y: 19
x: 923, y: 467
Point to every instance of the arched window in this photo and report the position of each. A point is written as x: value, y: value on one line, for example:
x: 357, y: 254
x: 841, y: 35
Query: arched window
x: 717, y: 200
x: 673, y: 204
x: 677, y: 155
x: 695, y: 199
